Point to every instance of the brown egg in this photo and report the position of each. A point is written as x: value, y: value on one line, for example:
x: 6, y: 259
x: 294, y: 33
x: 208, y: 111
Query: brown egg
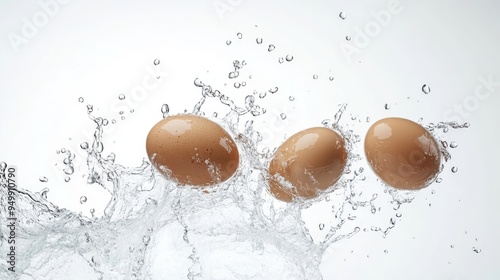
x: 192, y: 150
x: 402, y: 153
x: 308, y: 161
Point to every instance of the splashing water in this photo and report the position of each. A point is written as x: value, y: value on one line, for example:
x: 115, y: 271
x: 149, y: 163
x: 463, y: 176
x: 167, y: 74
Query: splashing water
x: 155, y: 229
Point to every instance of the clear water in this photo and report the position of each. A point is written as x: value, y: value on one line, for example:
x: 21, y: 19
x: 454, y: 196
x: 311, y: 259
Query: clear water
x: 154, y: 229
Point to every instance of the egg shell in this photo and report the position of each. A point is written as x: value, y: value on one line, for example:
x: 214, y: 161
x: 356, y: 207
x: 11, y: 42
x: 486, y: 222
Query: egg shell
x: 402, y: 153
x: 192, y: 150
x: 308, y: 161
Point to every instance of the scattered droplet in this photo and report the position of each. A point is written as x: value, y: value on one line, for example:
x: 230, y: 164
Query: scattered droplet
x: 239, y: 35
x: 283, y: 116
x: 233, y: 74
x: 121, y: 96
x: 367, y: 119
x: 439, y: 180
x: 453, y: 145
x: 315, y: 76
x: 43, y: 179
x: 387, y: 106
x: 237, y: 85
x: 321, y: 226
x: 281, y: 60
x: 164, y: 110
x: 81, y: 100
x: 83, y: 199
x: 156, y: 62
x: 90, y: 108
x: 273, y: 90
x: 466, y: 125
x: 228, y: 42
x: 342, y: 15
x: 348, y: 38
x: 258, y: 40
x: 67, y: 179
x: 385, y: 251
x: 399, y: 215
x: 452, y: 246
x: 426, y: 89
x: 476, y: 250
x: 331, y: 78
x: 454, y: 169
x: 262, y: 94
x: 84, y: 145
x: 289, y: 57
x: 291, y: 98
x: 243, y: 84
x: 271, y: 48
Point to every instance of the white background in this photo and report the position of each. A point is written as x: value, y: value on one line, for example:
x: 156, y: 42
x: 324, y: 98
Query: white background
x: 100, y: 49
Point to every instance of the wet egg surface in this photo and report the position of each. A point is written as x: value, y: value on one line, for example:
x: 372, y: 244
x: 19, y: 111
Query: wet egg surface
x: 308, y: 161
x: 402, y: 153
x: 192, y: 150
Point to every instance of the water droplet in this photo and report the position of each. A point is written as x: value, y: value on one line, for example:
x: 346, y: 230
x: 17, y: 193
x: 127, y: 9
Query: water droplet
x: 258, y: 40
x: 262, y: 94
x: 385, y: 251
x: 453, y: 145
x: 271, y: 48
x: 367, y: 119
x: 273, y: 90
x: 243, y: 84
x: 466, y: 125
x: 92, y: 211
x: 121, y: 112
x: 239, y: 35
x: 69, y: 170
x: 321, y: 226
x: 198, y: 82
x: 113, y: 121
x: 90, y: 108
x: 132, y: 110
x: 399, y: 215
x: 289, y: 57
x: 156, y: 62
x: 83, y: 199
x: 315, y: 76
x: 452, y: 246
x: 439, y: 180
x: 43, y: 193
x: 81, y: 100
x: 234, y: 74
x: 348, y: 38
x: 237, y: 85
x: 164, y: 110
x: 228, y: 42
x: 43, y: 179
x: 433, y: 192
x: 291, y: 98
x: 67, y: 179
x: 476, y: 250
x: 283, y: 116
x: 331, y: 78
x: 121, y: 96
x: 84, y: 145
x: 281, y: 60
x: 342, y: 15
x: 387, y: 106
x: 454, y: 169
x: 426, y: 89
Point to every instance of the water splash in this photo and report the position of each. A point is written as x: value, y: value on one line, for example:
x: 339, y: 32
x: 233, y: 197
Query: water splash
x: 152, y: 228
